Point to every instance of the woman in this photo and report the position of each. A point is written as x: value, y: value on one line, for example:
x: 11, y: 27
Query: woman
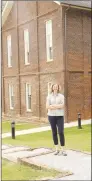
x: 55, y: 107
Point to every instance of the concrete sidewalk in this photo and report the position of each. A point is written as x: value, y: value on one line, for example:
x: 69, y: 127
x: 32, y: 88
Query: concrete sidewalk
x: 47, y: 128
x: 77, y: 163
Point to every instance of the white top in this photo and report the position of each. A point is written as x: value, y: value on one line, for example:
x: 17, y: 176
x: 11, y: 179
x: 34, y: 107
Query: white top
x: 55, y: 99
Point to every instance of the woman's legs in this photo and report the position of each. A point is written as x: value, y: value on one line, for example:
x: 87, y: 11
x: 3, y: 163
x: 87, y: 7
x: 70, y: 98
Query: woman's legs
x: 53, y: 123
x: 60, y: 124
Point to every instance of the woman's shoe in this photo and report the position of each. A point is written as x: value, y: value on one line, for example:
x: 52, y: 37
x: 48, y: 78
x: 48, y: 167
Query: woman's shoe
x: 62, y: 153
x: 56, y: 152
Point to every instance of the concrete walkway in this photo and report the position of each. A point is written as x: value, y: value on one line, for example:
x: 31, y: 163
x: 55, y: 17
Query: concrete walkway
x: 47, y: 128
x: 77, y: 163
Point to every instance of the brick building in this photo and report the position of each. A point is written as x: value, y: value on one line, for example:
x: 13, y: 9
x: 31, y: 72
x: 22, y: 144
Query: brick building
x: 43, y: 43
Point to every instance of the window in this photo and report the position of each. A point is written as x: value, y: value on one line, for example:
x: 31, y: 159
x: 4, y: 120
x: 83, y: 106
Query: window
x: 11, y: 96
x: 49, y: 40
x: 9, y: 51
x: 49, y: 87
x: 26, y: 46
x: 28, y: 97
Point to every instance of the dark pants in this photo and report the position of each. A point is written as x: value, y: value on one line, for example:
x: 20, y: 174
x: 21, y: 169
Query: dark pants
x: 57, y: 122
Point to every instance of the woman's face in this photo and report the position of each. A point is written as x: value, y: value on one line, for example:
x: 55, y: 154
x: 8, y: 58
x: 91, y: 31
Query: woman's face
x: 55, y: 87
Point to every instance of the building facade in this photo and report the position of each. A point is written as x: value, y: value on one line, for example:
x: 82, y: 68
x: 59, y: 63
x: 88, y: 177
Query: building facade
x: 45, y: 43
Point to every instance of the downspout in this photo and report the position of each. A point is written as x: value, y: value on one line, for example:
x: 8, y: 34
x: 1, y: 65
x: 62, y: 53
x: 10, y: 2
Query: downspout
x: 19, y: 83
x: 2, y: 79
x: 38, y: 60
x: 65, y: 46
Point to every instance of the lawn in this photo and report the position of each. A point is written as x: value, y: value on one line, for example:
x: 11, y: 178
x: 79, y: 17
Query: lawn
x: 13, y: 171
x: 79, y: 139
x: 6, y: 126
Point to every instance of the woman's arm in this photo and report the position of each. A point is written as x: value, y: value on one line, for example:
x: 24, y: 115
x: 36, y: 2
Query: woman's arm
x: 52, y: 107
x: 48, y: 106
x: 55, y: 106
x: 59, y: 106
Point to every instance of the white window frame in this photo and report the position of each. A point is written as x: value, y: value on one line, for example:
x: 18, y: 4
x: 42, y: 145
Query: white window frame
x: 49, y: 42
x: 49, y: 85
x: 28, y: 93
x: 26, y: 46
x: 9, y: 51
x: 11, y: 93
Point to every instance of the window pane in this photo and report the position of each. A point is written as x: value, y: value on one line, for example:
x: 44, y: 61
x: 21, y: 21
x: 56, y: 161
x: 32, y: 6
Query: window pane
x: 9, y: 50
x: 50, y: 52
x: 11, y: 96
x: 49, y: 27
x: 26, y: 45
x: 49, y: 87
x: 29, y: 102
x: 49, y: 40
x: 12, y: 101
x: 28, y: 96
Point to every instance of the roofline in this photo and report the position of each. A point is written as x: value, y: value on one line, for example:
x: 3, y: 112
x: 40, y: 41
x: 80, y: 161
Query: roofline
x: 9, y: 4
x: 75, y: 6
x: 57, y: 2
x: 6, y: 11
x: 72, y: 5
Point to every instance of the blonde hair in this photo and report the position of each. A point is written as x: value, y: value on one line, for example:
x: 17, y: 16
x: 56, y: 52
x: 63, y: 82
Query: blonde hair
x: 59, y: 88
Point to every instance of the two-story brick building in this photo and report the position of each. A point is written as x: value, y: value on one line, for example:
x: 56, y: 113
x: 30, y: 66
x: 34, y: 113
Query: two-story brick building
x: 45, y: 42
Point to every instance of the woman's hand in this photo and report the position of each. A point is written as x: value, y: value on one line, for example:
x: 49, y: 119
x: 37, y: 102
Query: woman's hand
x: 59, y: 106
x: 52, y: 107
x: 55, y: 106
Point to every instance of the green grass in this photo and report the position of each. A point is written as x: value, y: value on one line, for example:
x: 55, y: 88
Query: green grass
x: 79, y: 139
x: 6, y: 126
x: 13, y: 171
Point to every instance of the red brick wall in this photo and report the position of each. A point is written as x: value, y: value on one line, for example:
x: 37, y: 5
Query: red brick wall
x: 12, y: 18
x: 78, y: 58
x: 78, y: 64
x: 45, y: 7
x: 26, y: 11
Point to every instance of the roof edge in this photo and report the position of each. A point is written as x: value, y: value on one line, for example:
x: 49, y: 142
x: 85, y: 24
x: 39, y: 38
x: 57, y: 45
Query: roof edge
x: 71, y: 4
x: 6, y: 11
x: 57, y: 2
x: 76, y: 6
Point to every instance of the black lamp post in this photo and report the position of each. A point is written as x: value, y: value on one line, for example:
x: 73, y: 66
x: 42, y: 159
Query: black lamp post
x: 79, y: 121
x: 13, y: 130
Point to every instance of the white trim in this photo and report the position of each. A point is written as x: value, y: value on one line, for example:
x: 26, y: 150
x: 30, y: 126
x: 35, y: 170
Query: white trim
x: 57, y: 2
x: 49, y: 60
x: 6, y: 11
x: 27, y: 63
x: 28, y: 110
